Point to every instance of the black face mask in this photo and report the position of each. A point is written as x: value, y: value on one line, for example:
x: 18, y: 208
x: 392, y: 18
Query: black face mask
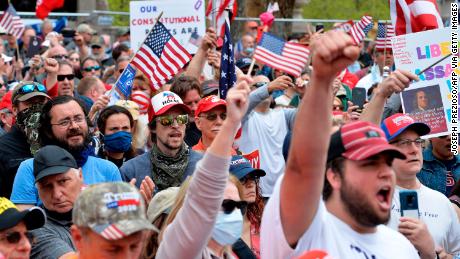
x: 28, y: 121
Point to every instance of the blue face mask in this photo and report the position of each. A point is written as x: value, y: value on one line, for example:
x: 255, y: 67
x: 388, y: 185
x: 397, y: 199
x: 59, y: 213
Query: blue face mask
x: 249, y: 50
x: 228, y: 227
x: 117, y: 142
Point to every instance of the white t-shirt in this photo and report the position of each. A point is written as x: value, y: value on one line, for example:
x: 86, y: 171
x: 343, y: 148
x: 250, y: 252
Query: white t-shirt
x: 437, y: 213
x: 330, y: 234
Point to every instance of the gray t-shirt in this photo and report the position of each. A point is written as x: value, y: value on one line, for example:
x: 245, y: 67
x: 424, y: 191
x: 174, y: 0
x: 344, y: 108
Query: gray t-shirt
x: 53, y: 240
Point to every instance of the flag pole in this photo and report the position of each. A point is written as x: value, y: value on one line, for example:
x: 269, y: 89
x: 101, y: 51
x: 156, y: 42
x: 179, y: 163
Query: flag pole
x: 156, y: 20
x: 251, y: 67
x: 386, y: 69
x: 214, y: 25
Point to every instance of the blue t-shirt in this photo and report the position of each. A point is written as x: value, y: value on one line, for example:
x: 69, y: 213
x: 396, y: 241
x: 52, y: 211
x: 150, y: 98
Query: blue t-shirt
x: 95, y: 170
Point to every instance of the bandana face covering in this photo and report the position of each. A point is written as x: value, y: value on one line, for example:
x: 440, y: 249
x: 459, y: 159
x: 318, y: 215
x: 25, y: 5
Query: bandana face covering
x: 28, y: 121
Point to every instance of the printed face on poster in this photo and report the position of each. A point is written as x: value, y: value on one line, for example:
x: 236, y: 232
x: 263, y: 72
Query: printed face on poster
x: 180, y: 17
x: 429, y: 99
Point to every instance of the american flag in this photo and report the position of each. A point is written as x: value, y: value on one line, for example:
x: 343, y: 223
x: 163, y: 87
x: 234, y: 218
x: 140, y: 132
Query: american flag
x: 161, y: 56
x: 285, y: 56
x: 409, y: 16
x: 221, y: 14
x: 227, y: 65
x: 384, y: 34
x: 11, y: 22
x: 360, y: 29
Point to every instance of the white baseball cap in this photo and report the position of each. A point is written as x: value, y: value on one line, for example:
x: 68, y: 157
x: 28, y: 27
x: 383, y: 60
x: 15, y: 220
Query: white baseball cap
x: 166, y: 100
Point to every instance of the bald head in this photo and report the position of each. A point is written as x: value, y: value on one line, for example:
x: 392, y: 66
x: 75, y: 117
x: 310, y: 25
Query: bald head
x: 57, y: 51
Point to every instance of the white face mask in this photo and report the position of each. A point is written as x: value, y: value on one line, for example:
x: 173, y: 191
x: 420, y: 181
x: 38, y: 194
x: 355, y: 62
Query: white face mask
x: 228, y: 227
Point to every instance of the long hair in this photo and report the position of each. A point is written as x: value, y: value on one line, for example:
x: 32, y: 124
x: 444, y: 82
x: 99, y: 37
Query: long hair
x: 255, y: 210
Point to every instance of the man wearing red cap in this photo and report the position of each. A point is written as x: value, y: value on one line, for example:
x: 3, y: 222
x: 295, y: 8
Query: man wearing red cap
x: 209, y: 116
x: 6, y: 113
x: 353, y: 165
x: 170, y: 160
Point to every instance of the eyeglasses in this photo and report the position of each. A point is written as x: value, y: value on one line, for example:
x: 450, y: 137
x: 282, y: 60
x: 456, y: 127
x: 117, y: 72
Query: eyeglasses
x: 168, y: 120
x: 213, y: 116
x: 89, y: 69
x: 407, y: 142
x: 228, y: 206
x: 25, y: 89
x: 249, y: 177
x: 69, y: 77
x: 60, y: 57
x: 79, y: 119
x: 15, y: 237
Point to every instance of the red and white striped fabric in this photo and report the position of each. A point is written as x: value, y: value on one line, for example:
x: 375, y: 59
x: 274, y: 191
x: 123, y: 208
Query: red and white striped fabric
x: 161, y: 56
x: 11, y: 22
x: 112, y: 233
x: 410, y: 16
x: 360, y: 29
x: 285, y: 56
x: 221, y: 14
x: 142, y: 99
x: 345, y: 26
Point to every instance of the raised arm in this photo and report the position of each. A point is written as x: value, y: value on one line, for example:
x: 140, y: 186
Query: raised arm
x: 197, y: 63
x: 395, y: 83
x: 303, y: 181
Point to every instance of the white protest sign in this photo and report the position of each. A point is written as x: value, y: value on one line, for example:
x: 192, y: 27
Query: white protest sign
x: 428, y: 100
x: 180, y: 17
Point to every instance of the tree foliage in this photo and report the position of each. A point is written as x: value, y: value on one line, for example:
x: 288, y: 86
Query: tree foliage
x: 119, y: 6
x: 346, y: 9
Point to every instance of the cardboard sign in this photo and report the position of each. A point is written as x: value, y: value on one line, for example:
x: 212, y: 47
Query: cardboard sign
x: 253, y: 158
x: 181, y: 17
x: 428, y: 100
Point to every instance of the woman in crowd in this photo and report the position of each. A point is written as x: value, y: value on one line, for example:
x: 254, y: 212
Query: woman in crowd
x: 116, y: 125
x: 210, y: 218
x: 74, y: 59
x: 248, y: 246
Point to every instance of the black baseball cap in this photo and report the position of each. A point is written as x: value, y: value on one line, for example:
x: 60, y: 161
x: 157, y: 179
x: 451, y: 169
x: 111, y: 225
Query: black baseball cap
x: 10, y: 216
x: 51, y: 160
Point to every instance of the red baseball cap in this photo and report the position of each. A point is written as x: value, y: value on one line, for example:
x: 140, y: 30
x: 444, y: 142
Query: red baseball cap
x: 6, y: 103
x: 208, y: 103
x: 166, y: 100
x: 397, y: 123
x: 360, y: 140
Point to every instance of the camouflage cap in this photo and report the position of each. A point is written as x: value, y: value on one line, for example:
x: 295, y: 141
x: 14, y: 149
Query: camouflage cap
x: 113, y: 210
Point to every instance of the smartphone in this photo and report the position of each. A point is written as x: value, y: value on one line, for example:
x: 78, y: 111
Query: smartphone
x: 68, y: 33
x: 358, y: 96
x: 319, y: 27
x: 409, y: 204
x: 34, y: 47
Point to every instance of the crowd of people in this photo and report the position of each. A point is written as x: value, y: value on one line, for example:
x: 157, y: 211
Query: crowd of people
x: 282, y: 166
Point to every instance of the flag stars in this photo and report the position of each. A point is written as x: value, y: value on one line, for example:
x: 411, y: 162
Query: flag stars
x: 226, y: 57
x: 223, y: 74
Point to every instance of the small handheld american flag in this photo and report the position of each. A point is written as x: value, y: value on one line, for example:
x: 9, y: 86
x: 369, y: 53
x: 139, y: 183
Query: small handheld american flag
x: 11, y: 22
x: 285, y: 56
x: 384, y: 34
x: 227, y: 64
x: 360, y: 29
x: 161, y: 56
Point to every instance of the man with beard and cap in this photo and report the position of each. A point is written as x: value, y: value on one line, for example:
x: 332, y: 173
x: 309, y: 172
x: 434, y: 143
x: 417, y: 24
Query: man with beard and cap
x: 353, y: 165
x: 17, y: 145
x: 63, y: 123
x: 15, y: 236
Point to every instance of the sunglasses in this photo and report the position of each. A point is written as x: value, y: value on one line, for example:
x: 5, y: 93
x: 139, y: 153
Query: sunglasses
x: 168, y: 120
x: 60, y: 57
x: 25, y: 89
x: 213, y: 116
x: 89, y: 69
x: 15, y: 237
x: 69, y: 77
x: 96, y: 47
x: 249, y: 177
x: 228, y: 206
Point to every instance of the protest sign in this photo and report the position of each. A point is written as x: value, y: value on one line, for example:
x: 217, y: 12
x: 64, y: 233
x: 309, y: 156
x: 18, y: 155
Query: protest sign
x: 253, y: 158
x: 427, y: 100
x: 181, y: 17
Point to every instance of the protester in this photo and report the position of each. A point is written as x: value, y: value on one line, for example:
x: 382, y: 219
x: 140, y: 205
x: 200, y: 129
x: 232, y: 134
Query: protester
x: 248, y: 44
x: 89, y: 90
x: 116, y: 125
x: 430, y: 235
x: 74, y: 59
x: 358, y: 180
x: 63, y: 123
x: 28, y: 99
x: 188, y: 89
x: 99, y: 210
x: 98, y: 52
x: 381, y: 58
x: 15, y: 236
x: 120, y: 65
x: 6, y: 114
x: 58, y: 53
x: 249, y: 243
x: 65, y: 79
x: 59, y: 181
x: 209, y: 222
x: 170, y: 160
x: 441, y: 168
x: 90, y: 66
